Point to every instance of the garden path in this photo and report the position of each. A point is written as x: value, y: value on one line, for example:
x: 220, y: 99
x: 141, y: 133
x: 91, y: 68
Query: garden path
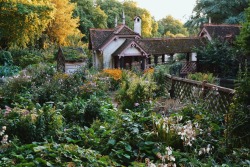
x: 113, y: 99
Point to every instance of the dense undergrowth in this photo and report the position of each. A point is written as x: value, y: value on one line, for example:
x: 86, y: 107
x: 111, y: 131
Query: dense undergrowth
x: 55, y: 119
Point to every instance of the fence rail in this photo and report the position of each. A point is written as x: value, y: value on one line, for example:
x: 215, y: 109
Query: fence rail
x: 216, y: 98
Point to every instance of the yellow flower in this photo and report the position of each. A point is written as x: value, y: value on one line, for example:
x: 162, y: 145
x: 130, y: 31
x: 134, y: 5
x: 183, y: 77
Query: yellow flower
x: 116, y: 74
x: 149, y: 70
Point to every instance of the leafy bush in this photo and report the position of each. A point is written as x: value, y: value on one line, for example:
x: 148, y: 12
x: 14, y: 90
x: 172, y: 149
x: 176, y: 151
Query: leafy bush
x: 135, y: 90
x: 49, y: 85
x: 29, y: 59
x: 219, y: 58
x: 8, y: 71
x: 5, y: 58
x: 159, y: 78
x: 238, y: 117
x: 53, y: 154
x: 124, y: 139
x: 16, y: 90
x: 209, y: 77
x: 175, y: 68
x: 32, y: 125
x: 81, y: 111
x: 116, y: 75
x: 24, y: 57
x: 6, y: 65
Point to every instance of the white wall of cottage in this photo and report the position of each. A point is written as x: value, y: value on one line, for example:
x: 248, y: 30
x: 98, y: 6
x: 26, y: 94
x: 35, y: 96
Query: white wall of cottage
x: 108, y: 50
x: 131, y: 51
x: 73, y: 67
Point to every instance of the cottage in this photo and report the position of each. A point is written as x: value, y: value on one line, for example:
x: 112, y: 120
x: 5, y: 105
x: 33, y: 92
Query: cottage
x: 123, y: 47
x: 224, y: 32
x: 70, y: 59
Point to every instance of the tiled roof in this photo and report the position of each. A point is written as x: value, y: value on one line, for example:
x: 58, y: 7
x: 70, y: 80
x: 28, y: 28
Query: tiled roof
x: 98, y: 37
x: 156, y: 46
x: 124, y: 30
x: 222, y: 30
x: 159, y: 46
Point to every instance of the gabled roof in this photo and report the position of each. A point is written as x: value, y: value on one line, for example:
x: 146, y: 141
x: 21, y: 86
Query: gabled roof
x: 126, y: 44
x: 122, y: 29
x: 100, y: 37
x: 221, y: 30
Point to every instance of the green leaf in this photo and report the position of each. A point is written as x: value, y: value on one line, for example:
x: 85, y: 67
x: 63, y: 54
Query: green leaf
x: 149, y: 143
x: 49, y: 164
x: 39, y: 148
x: 128, y: 147
x: 126, y: 156
x: 135, y: 130
x: 20, y: 157
x: 112, y: 141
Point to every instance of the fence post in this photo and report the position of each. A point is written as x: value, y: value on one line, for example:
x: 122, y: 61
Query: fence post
x: 171, y: 91
x: 203, y: 89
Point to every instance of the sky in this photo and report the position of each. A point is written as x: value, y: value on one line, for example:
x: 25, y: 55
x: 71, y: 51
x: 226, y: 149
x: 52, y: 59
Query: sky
x: 179, y: 9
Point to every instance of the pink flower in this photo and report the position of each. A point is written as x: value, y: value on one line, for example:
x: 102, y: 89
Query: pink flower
x: 136, y: 104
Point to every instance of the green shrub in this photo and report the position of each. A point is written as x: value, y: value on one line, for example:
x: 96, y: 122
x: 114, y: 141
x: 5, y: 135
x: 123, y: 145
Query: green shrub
x: 24, y: 57
x: 81, y: 111
x: 7, y: 68
x: 29, y: 59
x: 209, y: 77
x: 239, y: 115
x: 16, y: 90
x: 159, y: 78
x: 175, y: 68
x: 5, y: 58
x: 56, y: 87
x: 53, y: 154
x: 8, y: 71
x: 136, y: 90
x: 32, y: 125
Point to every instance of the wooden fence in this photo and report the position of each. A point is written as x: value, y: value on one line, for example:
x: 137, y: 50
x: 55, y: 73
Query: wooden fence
x: 216, y: 98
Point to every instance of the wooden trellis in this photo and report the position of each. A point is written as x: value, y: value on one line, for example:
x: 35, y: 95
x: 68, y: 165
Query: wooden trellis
x: 217, y: 98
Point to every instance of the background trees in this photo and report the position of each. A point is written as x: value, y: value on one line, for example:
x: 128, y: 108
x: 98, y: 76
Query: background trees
x: 62, y: 25
x: 244, y: 37
x: 22, y: 22
x: 90, y: 15
x: 171, y: 27
x: 220, y: 11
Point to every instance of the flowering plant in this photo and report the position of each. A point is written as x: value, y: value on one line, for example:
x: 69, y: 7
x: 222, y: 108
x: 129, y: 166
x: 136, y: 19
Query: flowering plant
x: 116, y: 74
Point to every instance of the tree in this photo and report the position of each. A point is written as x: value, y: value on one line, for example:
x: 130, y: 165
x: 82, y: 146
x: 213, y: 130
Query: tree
x: 170, y: 27
x: 149, y: 25
x: 113, y: 9
x: 219, y: 58
x: 220, y: 11
x: 244, y: 37
x: 91, y: 16
x: 22, y: 22
x: 63, y: 25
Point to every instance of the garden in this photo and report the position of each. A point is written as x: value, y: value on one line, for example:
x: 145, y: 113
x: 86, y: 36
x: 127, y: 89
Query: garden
x: 117, y: 117
x: 114, y: 117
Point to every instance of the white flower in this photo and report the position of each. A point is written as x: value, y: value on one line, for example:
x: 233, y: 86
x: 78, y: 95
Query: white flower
x: 4, y: 128
x: 171, y: 158
x: 169, y: 150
